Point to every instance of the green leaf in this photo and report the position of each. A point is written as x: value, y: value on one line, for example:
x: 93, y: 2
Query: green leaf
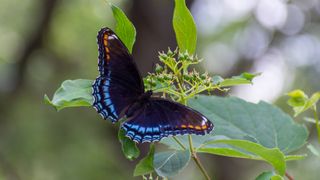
x: 265, y: 175
x: 217, y: 80
x: 297, y: 98
x: 225, y: 150
x: 269, y: 176
x: 244, y: 78
x: 271, y: 155
x: 276, y: 177
x: 129, y: 147
x: 314, y: 99
x: 311, y: 103
x: 230, y: 152
x: 168, y: 164
x: 261, y: 123
x: 217, y: 149
x: 300, y: 101
x: 72, y: 93
x: 145, y: 166
x: 184, y: 27
x: 124, y: 28
x: 264, y: 129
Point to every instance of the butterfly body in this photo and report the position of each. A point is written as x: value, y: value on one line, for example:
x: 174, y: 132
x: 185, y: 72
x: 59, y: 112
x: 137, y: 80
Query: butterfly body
x: 119, y: 92
x: 138, y: 104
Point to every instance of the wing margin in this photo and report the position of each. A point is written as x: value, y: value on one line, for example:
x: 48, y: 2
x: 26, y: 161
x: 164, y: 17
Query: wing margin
x: 162, y: 118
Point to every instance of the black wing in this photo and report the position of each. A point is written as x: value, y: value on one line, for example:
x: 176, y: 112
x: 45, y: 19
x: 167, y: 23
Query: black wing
x: 161, y: 118
x: 119, y: 83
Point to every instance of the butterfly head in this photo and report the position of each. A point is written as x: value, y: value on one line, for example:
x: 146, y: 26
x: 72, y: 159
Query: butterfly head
x: 145, y: 96
x: 148, y: 93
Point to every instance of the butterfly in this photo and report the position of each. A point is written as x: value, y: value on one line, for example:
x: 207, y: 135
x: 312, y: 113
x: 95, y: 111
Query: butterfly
x: 119, y: 92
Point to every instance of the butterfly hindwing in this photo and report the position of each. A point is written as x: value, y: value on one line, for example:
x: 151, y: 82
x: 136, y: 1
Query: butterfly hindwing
x: 160, y: 118
x: 119, y: 83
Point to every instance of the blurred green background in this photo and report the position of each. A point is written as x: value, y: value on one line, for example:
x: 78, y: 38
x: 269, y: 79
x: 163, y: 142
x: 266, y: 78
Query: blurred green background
x: 43, y: 42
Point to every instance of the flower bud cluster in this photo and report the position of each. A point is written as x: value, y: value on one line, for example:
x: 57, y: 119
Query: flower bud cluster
x: 195, y: 78
x: 187, y: 58
x: 172, y: 75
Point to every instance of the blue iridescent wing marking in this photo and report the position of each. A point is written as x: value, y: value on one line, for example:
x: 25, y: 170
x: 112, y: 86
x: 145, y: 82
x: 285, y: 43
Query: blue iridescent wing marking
x: 119, y: 83
x: 159, y: 118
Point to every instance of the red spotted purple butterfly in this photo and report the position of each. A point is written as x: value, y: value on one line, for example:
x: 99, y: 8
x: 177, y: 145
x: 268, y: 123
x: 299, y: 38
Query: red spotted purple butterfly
x: 119, y: 92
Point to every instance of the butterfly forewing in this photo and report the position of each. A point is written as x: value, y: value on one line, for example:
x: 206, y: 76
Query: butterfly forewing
x: 119, y: 83
x: 161, y: 118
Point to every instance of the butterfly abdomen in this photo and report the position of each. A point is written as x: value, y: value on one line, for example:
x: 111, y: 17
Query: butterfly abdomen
x: 138, y: 104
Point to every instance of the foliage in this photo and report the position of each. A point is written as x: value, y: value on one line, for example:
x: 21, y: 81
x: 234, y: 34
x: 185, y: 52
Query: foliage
x: 170, y: 163
x: 246, y: 130
x: 269, y: 176
x: 184, y: 27
x: 300, y: 102
x: 244, y: 78
x: 273, y: 156
x: 129, y: 148
x: 242, y: 130
x: 72, y: 93
x: 261, y: 123
x: 145, y: 166
x: 124, y: 28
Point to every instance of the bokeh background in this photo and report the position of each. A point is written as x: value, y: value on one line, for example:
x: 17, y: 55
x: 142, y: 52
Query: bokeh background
x: 44, y: 42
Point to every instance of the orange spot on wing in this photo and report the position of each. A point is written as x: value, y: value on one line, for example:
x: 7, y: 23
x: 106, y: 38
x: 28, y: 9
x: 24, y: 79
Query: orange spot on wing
x: 204, y: 127
x: 183, y: 126
x: 105, y: 40
x: 198, y: 128
x: 108, y: 57
x: 190, y: 126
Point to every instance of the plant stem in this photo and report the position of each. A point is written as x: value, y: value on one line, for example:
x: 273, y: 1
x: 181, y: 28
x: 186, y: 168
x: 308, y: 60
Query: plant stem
x: 184, y: 101
x: 317, y: 122
x: 179, y: 142
x: 196, y: 159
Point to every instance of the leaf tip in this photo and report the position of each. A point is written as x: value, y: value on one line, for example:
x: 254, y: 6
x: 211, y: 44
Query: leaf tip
x: 46, y: 99
x: 113, y: 7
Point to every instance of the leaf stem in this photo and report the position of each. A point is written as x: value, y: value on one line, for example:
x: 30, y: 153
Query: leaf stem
x: 179, y: 142
x: 196, y: 159
x: 317, y: 122
x: 289, y: 176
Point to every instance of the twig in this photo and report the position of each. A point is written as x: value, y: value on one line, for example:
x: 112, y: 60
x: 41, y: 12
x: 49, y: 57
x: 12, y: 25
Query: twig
x: 197, y: 160
x: 289, y: 176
